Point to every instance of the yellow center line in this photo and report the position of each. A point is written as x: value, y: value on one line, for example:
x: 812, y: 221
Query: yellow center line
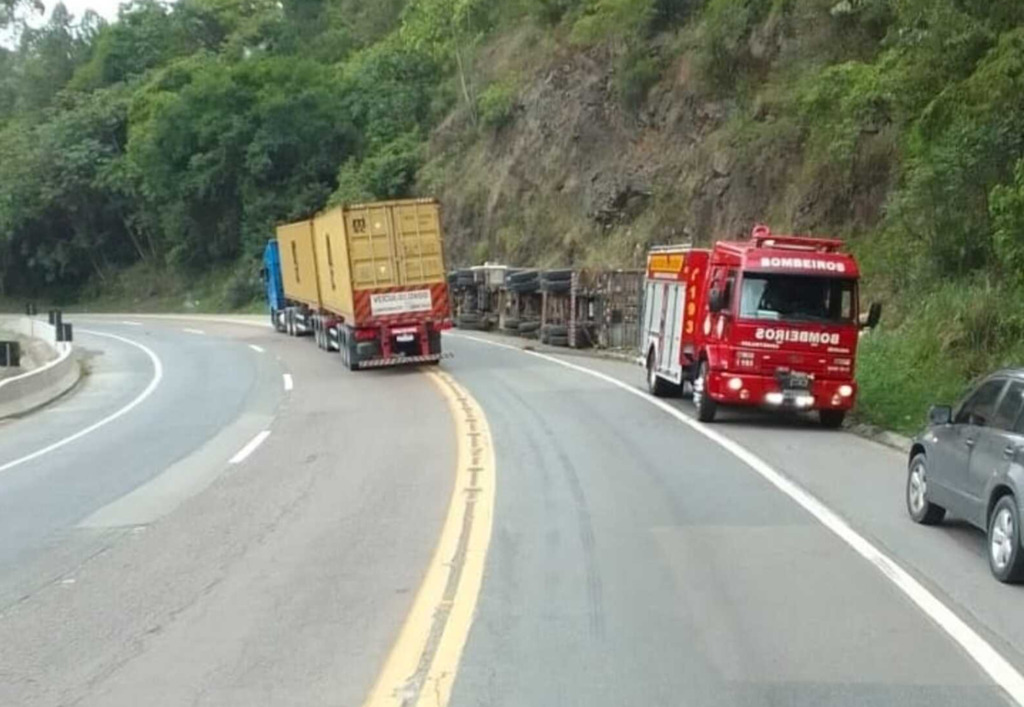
x: 422, y: 665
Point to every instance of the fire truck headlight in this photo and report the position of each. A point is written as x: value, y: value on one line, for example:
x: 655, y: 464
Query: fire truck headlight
x: 805, y: 401
x: 774, y: 398
x: 846, y: 390
x: 735, y: 384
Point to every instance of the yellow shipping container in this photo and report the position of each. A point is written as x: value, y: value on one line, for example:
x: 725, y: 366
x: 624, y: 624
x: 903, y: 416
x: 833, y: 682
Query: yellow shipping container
x: 380, y: 247
x: 298, y: 263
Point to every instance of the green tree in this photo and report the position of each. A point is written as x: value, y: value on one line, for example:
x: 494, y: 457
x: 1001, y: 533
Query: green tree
x: 449, y: 30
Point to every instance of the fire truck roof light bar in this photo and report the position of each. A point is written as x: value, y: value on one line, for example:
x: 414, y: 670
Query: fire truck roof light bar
x: 762, y: 237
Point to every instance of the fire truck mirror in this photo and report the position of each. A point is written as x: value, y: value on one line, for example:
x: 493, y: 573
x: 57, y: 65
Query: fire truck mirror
x: 874, y: 316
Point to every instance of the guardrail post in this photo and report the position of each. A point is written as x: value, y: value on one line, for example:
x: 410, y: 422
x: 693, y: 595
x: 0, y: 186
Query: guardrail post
x: 10, y: 354
x: 66, y: 333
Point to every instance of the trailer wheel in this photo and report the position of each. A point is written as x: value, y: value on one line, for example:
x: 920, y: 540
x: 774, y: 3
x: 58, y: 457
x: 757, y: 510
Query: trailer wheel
x: 706, y: 406
x: 275, y: 321
x: 656, y: 385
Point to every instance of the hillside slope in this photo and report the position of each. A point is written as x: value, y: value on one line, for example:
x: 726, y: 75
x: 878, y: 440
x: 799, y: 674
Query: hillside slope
x: 148, y: 159
x: 898, y: 126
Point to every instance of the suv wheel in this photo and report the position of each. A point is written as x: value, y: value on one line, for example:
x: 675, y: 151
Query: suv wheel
x: 921, y: 510
x: 1004, y: 555
x: 706, y: 406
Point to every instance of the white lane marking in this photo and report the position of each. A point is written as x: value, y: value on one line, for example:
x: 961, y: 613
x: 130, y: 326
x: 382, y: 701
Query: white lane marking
x: 248, y: 449
x: 127, y: 323
x: 198, y: 332
x: 289, y: 383
x: 158, y: 374
x: 980, y: 650
x: 257, y: 349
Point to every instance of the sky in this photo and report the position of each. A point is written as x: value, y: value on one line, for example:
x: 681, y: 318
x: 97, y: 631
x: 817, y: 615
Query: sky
x: 105, y: 8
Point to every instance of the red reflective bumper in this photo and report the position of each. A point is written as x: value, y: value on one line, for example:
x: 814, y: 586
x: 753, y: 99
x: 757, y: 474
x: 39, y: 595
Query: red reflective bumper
x: 764, y: 391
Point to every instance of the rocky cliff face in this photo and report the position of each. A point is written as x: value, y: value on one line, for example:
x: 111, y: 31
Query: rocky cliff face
x: 574, y: 177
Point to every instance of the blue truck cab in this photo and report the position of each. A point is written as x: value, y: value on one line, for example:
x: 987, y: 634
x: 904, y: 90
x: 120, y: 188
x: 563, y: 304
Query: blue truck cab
x: 272, y: 280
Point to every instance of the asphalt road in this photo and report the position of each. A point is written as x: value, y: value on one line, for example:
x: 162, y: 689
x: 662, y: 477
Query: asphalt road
x: 141, y: 567
x: 632, y: 561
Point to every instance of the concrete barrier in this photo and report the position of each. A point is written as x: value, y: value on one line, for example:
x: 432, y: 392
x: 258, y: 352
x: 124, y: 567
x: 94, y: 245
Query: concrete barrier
x: 39, y: 386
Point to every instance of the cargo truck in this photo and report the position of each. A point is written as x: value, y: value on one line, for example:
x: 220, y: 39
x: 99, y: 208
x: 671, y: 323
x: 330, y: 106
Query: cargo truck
x: 366, y: 280
x: 772, y: 322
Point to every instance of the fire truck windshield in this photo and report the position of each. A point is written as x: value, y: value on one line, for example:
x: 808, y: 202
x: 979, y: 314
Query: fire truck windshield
x: 797, y: 298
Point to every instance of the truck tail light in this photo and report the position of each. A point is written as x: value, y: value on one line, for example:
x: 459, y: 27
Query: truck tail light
x: 366, y: 334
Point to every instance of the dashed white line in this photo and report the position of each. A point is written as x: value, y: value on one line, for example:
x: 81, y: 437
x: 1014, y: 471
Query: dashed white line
x: 198, y: 332
x: 981, y: 651
x: 127, y: 323
x: 257, y: 349
x: 251, y: 447
x: 158, y: 374
x: 288, y: 382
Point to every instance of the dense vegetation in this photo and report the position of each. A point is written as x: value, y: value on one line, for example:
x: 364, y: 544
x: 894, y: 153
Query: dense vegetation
x: 173, y: 139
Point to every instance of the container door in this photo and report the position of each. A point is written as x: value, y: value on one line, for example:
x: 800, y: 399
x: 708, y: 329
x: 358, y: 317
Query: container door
x: 652, y: 313
x: 668, y: 363
x: 418, y: 243
x: 371, y: 247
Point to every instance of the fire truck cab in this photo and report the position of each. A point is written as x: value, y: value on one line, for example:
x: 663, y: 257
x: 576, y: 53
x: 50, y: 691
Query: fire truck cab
x: 772, y: 322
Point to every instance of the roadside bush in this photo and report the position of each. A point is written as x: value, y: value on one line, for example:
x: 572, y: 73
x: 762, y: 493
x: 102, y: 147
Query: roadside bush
x: 496, y: 104
x: 243, y: 287
x: 1006, y: 205
x: 944, y: 339
x: 621, y: 20
x: 635, y: 75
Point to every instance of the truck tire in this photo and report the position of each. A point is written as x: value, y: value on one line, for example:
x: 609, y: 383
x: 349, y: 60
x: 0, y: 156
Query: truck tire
x: 348, y: 356
x: 554, y: 340
x: 275, y: 321
x: 656, y: 385
x: 831, y: 419
x: 558, y: 330
x: 558, y: 275
x: 511, y: 324
x: 707, y: 408
x: 528, y: 327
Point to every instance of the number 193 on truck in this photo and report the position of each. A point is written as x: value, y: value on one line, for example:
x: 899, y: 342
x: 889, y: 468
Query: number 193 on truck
x: 772, y: 322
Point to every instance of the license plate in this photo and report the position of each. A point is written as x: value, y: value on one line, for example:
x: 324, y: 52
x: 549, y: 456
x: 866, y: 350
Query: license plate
x: 405, y: 338
x: 800, y: 381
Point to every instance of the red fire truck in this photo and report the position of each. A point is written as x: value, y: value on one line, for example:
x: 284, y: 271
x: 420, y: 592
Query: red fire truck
x: 772, y: 322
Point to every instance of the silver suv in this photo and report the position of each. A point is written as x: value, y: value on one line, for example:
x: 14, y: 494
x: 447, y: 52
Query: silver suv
x: 970, y: 461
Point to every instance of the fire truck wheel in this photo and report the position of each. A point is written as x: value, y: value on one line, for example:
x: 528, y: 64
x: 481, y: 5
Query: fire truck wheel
x: 831, y: 419
x: 656, y: 385
x: 706, y: 406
